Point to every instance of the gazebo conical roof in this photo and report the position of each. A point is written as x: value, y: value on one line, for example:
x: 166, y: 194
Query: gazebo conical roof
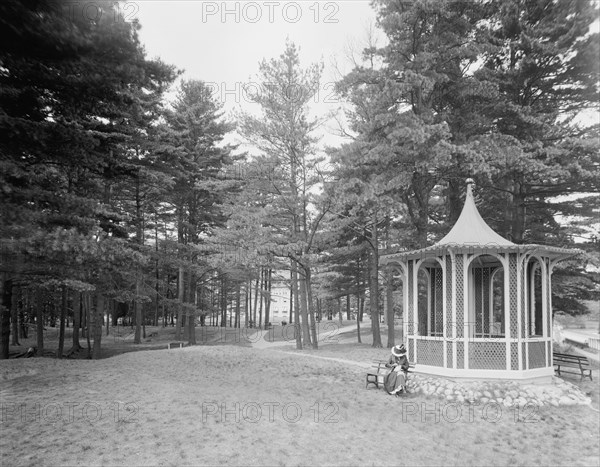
x: 470, y: 228
x: 471, y: 233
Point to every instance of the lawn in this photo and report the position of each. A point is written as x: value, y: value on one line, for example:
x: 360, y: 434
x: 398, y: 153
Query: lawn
x: 224, y: 404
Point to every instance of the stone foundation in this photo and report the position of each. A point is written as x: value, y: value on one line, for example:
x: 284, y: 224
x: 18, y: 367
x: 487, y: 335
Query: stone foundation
x: 509, y: 393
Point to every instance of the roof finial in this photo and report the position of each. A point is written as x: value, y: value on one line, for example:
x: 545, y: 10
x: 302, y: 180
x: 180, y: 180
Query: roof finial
x: 470, y: 183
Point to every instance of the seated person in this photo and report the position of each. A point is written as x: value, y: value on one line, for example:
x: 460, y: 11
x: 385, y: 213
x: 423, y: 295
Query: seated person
x: 398, y: 362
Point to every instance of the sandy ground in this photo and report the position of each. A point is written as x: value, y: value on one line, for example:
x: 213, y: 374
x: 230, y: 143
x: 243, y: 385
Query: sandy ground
x: 239, y: 405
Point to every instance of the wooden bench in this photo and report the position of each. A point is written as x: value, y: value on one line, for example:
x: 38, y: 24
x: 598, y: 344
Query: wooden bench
x: 172, y: 345
x: 378, y: 370
x: 572, y: 361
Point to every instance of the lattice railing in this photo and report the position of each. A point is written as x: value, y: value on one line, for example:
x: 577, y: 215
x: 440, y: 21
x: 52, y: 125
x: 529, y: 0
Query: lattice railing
x: 460, y: 354
x: 430, y: 352
x: 514, y: 355
x: 537, y: 354
x: 487, y: 355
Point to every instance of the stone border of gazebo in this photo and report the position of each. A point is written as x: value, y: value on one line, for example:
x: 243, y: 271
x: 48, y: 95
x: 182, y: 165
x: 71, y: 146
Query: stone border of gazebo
x: 455, y: 334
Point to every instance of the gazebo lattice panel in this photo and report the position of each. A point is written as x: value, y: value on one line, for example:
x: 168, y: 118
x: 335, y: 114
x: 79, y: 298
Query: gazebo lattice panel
x: 430, y: 352
x: 523, y: 314
x: 439, y: 303
x: 514, y: 355
x: 487, y: 355
x: 537, y: 354
x: 460, y: 354
x: 410, y: 289
x: 410, y: 350
x: 512, y: 291
x: 523, y: 355
x: 549, y: 305
x: 460, y: 304
x: 478, y: 274
x: 449, y: 363
x: 449, y: 297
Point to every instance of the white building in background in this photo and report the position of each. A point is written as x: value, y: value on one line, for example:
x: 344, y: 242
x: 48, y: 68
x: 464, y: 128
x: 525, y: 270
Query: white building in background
x: 280, y: 300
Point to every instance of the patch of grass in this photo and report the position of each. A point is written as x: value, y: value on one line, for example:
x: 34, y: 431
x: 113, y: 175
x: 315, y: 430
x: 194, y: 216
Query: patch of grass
x: 181, y: 396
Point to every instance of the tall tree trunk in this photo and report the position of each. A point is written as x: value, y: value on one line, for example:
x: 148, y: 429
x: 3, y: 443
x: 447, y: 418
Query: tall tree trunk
x: 193, y: 299
x: 248, y: 302
x: 21, y: 304
x: 98, y: 321
x: 14, y: 315
x: 297, y: 329
x: 304, y: 308
x: 348, y: 313
x: 358, y: 323
x: 262, y: 297
x: 453, y: 200
x: 88, y: 319
x: 39, y: 321
x: 269, y: 278
x: 180, y: 287
x: 319, y: 309
x: 253, y: 320
x: 518, y: 215
x: 238, y: 298
x: 63, y: 314
x: 76, y: 321
x: 223, y: 302
x: 109, y: 313
x: 291, y: 317
x: 138, y: 309
x: 374, y: 284
x: 157, y: 277
x: 6, y: 294
x: 311, y: 311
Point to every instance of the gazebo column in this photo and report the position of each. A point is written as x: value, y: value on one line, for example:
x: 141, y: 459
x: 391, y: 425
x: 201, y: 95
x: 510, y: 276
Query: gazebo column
x: 506, y: 310
x: 449, y: 341
x: 513, y: 309
x: 458, y: 295
x: 410, y: 321
x: 550, y: 330
x: 521, y: 312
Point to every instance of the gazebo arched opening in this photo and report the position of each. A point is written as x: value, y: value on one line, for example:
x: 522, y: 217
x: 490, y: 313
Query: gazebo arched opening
x: 486, y: 299
x: 430, y: 308
x: 497, y: 321
x: 535, y: 297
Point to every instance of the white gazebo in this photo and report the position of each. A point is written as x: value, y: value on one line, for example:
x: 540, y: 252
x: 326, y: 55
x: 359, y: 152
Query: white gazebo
x: 477, y: 305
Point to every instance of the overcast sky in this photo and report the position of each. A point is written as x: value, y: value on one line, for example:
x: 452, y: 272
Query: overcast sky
x: 222, y: 43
